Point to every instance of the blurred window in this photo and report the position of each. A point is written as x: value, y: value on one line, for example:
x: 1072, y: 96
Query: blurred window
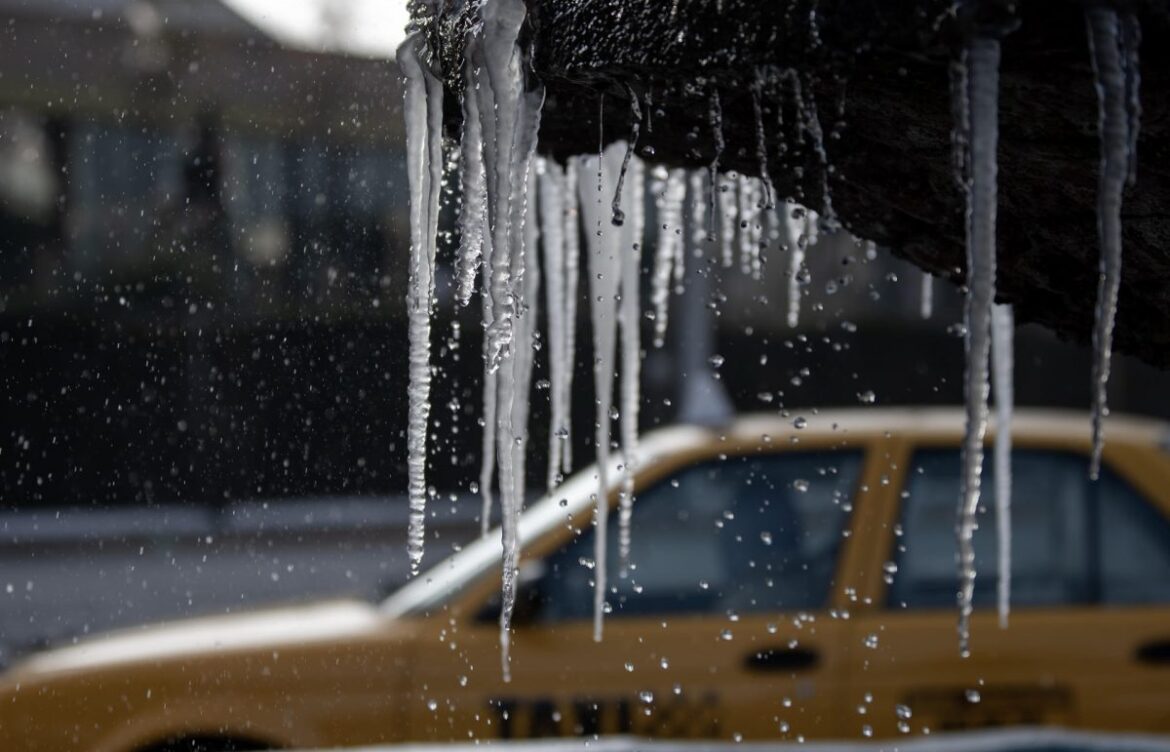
x: 1074, y: 541
x: 747, y: 534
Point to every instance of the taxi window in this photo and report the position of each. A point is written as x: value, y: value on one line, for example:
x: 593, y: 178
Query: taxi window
x: 757, y: 533
x: 1074, y: 541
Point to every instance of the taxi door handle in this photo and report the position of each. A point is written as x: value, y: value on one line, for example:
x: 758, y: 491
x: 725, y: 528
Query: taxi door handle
x: 1156, y: 652
x: 782, y: 659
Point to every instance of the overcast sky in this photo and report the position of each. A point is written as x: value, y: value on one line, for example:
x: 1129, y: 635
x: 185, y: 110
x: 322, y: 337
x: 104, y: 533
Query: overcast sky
x: 361, y: 27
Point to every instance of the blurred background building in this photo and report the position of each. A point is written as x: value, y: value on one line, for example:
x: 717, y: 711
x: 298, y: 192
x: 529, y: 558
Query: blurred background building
x: 203, y: 244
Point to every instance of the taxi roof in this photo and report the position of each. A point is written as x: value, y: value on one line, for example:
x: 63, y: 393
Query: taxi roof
x: 576, y: 494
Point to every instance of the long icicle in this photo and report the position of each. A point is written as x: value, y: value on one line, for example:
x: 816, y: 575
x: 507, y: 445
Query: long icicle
x: 514, y: 395
x: 1002, y: 359
x: 473, y: 213
x: 926, y: 295
x: 500, y: 83
x: 552, y: 210
x: 424, y: 123
x: 604, y: 259
x: 983, y: 108
x: 572, y: 230
x: 1114, y: 127
x: 524, y: 360
x: 630, y: 321
x: 728, y: 218
x: 671, y: 189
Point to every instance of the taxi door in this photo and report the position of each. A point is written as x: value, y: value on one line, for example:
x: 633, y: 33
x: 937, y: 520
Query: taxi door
x: 1087, y: 641
x: 728, y: 624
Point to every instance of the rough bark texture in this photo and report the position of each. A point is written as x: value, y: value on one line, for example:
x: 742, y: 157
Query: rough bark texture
x: 877, y: 74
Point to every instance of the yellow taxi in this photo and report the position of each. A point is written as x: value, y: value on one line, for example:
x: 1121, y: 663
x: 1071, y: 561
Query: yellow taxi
x: 787, y: 583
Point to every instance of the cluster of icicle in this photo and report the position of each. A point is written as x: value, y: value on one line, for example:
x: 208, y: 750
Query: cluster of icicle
x: 1114, y: 40
x: 521, y: 215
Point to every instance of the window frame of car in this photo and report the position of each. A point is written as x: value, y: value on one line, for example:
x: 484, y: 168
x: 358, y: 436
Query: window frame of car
x: 1143, y: 467
x: 473, y: 596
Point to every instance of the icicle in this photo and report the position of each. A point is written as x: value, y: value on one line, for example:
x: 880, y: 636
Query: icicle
x: 756, y: 229
x: 1002, y: 334
x: 813, y: 127
x: 715, y: 116
x: 511, y: 443
x: 728, y: 217
x: 500, y: 80
x: 983, y: 88
x: 1115, y: 131
x: 630, y: 320
x: 424, y: 133
x: 552, y: 219
x: 604, y: 259
x: 572, y: 265
x: 509, y: 108
x: 796, y: 221
x: 490, y: 389
x: 473, y: 214
x: 698, y: 214
x: 750, y: 226
x: 635, y: 126
x: 523, y: 361
x: 926, y: 298
x: 701, y: 400
x: 762, y: 141
x: 671, y: 189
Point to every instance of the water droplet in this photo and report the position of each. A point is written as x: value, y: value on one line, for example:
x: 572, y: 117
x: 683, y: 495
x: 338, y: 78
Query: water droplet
x: 867, y: 397
x: 973, y: 696
x: 766, y: 537
x: 432, y: 705
x: 871, y: 641
x: 800, y: 423
x: 646, y: 696
x: 800, y: 485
